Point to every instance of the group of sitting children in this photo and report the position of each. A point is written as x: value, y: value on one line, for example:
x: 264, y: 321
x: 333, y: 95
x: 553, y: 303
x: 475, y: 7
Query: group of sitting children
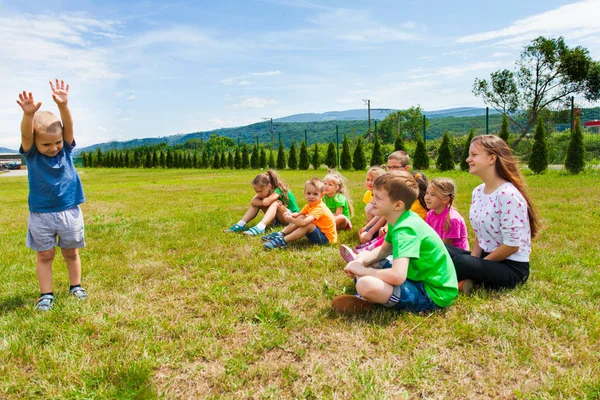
x: 420, y: 272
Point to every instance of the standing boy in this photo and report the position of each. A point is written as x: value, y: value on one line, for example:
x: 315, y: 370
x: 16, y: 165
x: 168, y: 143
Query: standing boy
x: 55, y: 191
x: 421, y: 275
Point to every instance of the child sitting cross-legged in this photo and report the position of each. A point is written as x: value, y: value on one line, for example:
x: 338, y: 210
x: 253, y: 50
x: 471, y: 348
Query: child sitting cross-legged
x: 315, y: 220
x: 421, y: 275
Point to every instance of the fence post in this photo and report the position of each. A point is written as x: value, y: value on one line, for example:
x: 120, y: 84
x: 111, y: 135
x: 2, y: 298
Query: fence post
x: 572, y: 114
x: 487, y: 120
x: 305, y: 138
x: 424, y: 130
x: 337, y: 147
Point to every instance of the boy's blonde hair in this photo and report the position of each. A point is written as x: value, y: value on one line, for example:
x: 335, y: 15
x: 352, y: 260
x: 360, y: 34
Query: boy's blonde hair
x: 316, y: 182
x: 45, y: 121
x: 340, y: 181
x: 401, y: 156
x: 376, y: 171
x: 444, y: 187
x: 400, y: 186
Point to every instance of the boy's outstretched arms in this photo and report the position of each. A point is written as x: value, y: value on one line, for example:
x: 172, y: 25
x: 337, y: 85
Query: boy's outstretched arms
x: 29, y: 107
x: 60, y: 95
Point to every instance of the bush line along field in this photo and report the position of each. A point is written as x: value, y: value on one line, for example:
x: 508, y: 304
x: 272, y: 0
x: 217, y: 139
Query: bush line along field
x: 179, y: 309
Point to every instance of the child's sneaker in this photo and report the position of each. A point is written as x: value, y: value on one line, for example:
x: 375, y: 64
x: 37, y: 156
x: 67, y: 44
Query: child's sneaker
x: 275, y: 243
x: 45, y: 303
x: 347, y: 304
x: 272, y: 235
x: 466, y: 286
x: 347, y: 253
x: 254, y: 231
x: 235, y: 228
x: 78, y: 292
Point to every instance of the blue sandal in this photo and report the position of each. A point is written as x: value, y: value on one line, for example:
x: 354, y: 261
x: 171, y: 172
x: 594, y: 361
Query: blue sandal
x: 78, y: 292
x: 45, y: 303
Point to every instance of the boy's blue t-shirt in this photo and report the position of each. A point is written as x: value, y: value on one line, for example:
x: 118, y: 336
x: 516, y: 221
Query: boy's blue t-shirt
x: 429, y: 260
x: 54, y: 184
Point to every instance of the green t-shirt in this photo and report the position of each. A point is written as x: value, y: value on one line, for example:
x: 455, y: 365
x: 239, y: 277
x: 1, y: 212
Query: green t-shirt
x: 335, y: 202
x: 291, y: 203
x: 429, y: 261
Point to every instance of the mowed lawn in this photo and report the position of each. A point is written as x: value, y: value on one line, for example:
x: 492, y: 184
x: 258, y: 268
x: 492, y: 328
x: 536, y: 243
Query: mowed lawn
x: 179, y: 309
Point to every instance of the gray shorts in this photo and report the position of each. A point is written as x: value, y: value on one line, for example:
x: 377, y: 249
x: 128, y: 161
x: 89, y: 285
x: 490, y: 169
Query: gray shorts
x: 45, y: 230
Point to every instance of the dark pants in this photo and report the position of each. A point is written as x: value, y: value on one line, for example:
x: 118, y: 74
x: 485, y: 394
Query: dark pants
x: 493, y: 274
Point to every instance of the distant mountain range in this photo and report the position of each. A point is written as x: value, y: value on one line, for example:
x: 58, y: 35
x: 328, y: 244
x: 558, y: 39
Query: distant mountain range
x: 5, y: 150
x: 294, y: 127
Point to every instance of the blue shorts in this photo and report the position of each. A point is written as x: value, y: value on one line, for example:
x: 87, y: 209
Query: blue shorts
x: 46, y: 230
x: 411, y: 296
x: 317, y: 236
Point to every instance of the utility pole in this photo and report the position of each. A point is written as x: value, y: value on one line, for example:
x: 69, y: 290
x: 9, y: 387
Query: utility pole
x: 272, y: 137
x: 368, y: 103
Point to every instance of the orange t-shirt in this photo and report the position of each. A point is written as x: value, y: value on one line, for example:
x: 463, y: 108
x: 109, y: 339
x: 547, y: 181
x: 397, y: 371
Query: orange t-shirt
x: 324, y: 219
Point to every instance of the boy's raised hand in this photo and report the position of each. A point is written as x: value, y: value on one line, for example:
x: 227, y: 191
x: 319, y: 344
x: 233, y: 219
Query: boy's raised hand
x: 60, y: 92
x: 27, y: 103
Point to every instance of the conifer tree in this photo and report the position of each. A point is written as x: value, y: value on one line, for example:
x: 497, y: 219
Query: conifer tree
x: 377, y: 155
x: 316, y: 159
x: 170, y: 159
x: 155, y: 159
x: 254, y: 158
x: 293, y: 160
x: 330, y: 158
x: 281, y: 156
x: 504, y: 133
x: 204, y: 159
x: 399, y: 143
x: 538, y: 161
x: 421, y: 157
x: 575, y: 162
x: 303, y: 162
x: 445, y: 159
x: 359, y: 160
x: 99, y: 158
x: 262, y: 161
x: 230, y: 161
x: 195, y: 161
x: 271, y: 159
x: 215, y: 161
x: 345, y: 157
x: 245, y: 160
x: 237, y: 159
x: 223, y: 163
x: 148, y: 163
x: 465, y: 154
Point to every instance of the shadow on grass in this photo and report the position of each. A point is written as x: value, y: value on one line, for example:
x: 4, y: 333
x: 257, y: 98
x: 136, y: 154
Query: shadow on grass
x: 14, y: 302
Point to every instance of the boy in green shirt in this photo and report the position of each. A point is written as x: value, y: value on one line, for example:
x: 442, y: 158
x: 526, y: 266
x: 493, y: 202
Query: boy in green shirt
x: 421, y: 276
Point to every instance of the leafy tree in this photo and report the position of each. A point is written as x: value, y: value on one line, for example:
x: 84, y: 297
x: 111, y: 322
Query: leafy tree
x: 170, y: 159
x: 377, y: 155
x: 346, y: 157
x: 421, y: 157
x: 538, y: 162
x: 399, y: 143
x: 281, y: 156
x: 575, y: 162
x: 254, y: 158
x: 230, y: 160
x: 359, y: 160
x: 237, y: 160
x: 330, y: 158
x: 410, y: 120
x: 293, y: 160
x: 465, y: 154
x: 262, y: 161
x: 155, y: 160
x: 303, y: 163
x: 148, y: 163
x: 548, y: 72
x: 445, y: 159
x: 245, y: 159
x: 316, y: 159
x: 204, y: 159
x: 271, y: 162
x: 99, y: 158
x: 195, y: 161
x: 223, y: 162
x: 504, y: 133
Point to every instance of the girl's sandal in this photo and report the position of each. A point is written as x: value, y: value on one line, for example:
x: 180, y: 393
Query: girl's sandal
x: 45, y: 303
x: 78, y: 292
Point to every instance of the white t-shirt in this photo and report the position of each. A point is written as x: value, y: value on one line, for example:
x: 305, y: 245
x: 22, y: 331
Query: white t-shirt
x: 501, y: 218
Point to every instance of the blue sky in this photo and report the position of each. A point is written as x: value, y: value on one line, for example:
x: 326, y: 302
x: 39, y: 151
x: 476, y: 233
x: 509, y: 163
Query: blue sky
x: 149, y: 68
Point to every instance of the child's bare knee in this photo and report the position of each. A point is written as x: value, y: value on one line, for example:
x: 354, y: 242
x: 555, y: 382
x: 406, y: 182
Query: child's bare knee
x: 46, y: 256
x: 366, y: 286
x: 70, y: 254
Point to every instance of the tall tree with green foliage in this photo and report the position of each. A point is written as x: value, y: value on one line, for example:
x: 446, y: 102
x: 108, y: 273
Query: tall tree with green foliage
x: 223, y: 162
x: 445, y: 159
x: 399, y: 143
x: 293, y: 160
x: 504, y: 133
x: 538, y: 161
x: 99, y: 158
x: 216, y: 164
x: 237, y: 159
x: 245, y: 158
x: 377, y: 155
x: 255, y: 157
x: 464, y: 166
x: 547, y: 72
x: 230, y: 160
x: 262, y: 161
x: 359, y: 161
x: 281, y: 156
x: 204, y: 159
x: 575, y: 162
x: 316, y: 158
x: 303, y: 163
x: 421, y: 159
x: 170, y: 159
x: 409, y: 121
x: 195, y: 160
x: 330, y: 158
x: 271, y: 159
x: 346, y: 157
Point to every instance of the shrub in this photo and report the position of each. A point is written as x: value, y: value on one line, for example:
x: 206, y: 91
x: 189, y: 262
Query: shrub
x: 445, y: 159
x: 538, y: 162
x: 574, y: 162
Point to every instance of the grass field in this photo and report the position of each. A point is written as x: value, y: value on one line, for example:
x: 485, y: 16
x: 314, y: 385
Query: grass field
x: 178, y: 309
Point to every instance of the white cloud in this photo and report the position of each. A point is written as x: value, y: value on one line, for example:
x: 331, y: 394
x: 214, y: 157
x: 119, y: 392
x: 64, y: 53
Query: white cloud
x: 244, y: 83
x: 463, y: 69
x: 254, y: 102
x: 268, y: 73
